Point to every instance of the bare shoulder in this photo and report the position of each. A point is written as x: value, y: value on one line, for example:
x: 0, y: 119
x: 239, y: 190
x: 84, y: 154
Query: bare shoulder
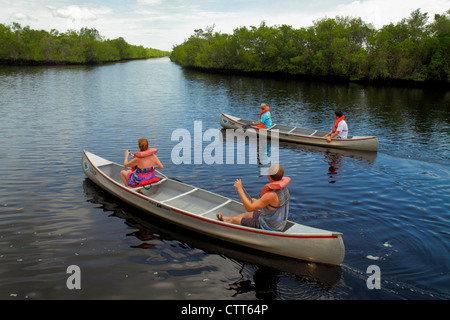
x: 270, y: 197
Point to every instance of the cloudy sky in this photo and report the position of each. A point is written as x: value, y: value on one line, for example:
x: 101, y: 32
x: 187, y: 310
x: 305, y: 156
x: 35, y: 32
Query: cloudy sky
x: 161, y: 24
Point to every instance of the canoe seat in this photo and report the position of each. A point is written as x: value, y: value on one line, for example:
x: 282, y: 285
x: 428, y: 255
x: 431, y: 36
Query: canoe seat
x: 146, y: 182
x: 151, y: 184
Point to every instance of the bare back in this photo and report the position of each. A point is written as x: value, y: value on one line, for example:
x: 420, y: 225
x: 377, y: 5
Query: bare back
x: 147, y: 162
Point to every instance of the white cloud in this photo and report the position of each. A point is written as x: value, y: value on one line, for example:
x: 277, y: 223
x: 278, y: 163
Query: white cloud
x: 149, y: 2
x: 74, y: 13
x: 383, y: 12
x: 77, y: 17
x: 20, y: 16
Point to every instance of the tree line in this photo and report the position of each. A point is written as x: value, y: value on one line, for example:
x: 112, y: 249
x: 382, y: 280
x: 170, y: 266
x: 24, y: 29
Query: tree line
x: 342, y: 47
x: 24, y: 45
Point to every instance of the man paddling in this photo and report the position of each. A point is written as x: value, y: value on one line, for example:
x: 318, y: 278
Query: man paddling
x: 340, y: 129
x: 271, y: 210
x: 265, y: 120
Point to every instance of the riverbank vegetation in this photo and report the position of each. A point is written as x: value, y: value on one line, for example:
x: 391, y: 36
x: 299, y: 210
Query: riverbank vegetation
x: 341, y: 47
x: 27, y: 46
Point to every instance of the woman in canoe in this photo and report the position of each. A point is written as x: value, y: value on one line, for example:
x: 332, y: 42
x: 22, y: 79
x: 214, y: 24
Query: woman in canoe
x: 143, y: 164
x: 340, y: 129
x: 271, y: 210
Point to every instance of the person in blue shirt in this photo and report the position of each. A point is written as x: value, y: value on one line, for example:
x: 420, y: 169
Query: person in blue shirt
x: 265, y: 120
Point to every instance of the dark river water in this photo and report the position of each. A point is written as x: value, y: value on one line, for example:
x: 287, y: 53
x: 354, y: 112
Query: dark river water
x: 392, y: 206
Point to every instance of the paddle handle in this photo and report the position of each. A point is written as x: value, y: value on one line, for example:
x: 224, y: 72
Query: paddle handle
x: 246, y: 193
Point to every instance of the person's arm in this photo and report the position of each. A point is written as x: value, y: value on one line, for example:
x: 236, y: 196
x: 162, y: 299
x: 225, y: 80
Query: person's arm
x: 332, y: 135
x: 260, y: 121
x: 158, y: 163
x: 127, y: 163
x: 254, y: 204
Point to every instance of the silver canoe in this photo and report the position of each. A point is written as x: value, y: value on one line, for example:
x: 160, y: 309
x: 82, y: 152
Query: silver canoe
x: 305, y: 136
x: 196, y: 209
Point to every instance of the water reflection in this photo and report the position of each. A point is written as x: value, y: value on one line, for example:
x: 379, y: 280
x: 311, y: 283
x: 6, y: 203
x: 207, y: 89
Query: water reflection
x: 335, y: 158
x: 268, y: 268
x: 143, y: 235
x: 334, y: 161
x: 264, y: 284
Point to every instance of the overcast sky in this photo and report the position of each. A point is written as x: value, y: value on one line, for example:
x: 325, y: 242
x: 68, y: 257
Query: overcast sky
x: 161, y: 24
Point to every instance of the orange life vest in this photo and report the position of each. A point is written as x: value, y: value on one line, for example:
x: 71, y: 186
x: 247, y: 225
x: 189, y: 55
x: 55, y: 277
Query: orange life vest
x: 261, y: 113
x: 262, y: 126
x: 337, y: 123
x: 146, y: 153
x: 276, y: 185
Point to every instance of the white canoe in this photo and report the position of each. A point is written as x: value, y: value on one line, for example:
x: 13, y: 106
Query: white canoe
x: 196, y: 209
x: 303, y: 135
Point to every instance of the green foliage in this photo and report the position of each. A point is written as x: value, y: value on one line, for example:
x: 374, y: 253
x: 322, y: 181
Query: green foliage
x: 86, y: 46
x: 412, y: 49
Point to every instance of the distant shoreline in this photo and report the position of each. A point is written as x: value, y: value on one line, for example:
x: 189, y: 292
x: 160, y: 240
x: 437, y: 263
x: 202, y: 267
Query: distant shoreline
x: 26, y: 46
x: 445, y: 85
x: 66, y: 63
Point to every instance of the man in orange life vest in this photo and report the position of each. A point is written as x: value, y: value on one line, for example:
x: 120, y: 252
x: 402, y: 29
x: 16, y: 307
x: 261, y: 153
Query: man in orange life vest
x: 340, y: 129
x: 265, y: 120
x: 270, y: 211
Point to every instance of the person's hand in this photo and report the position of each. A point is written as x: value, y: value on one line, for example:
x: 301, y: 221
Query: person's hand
x: 238, y: 184
x: 127, y: 153
x: 329, y: 139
